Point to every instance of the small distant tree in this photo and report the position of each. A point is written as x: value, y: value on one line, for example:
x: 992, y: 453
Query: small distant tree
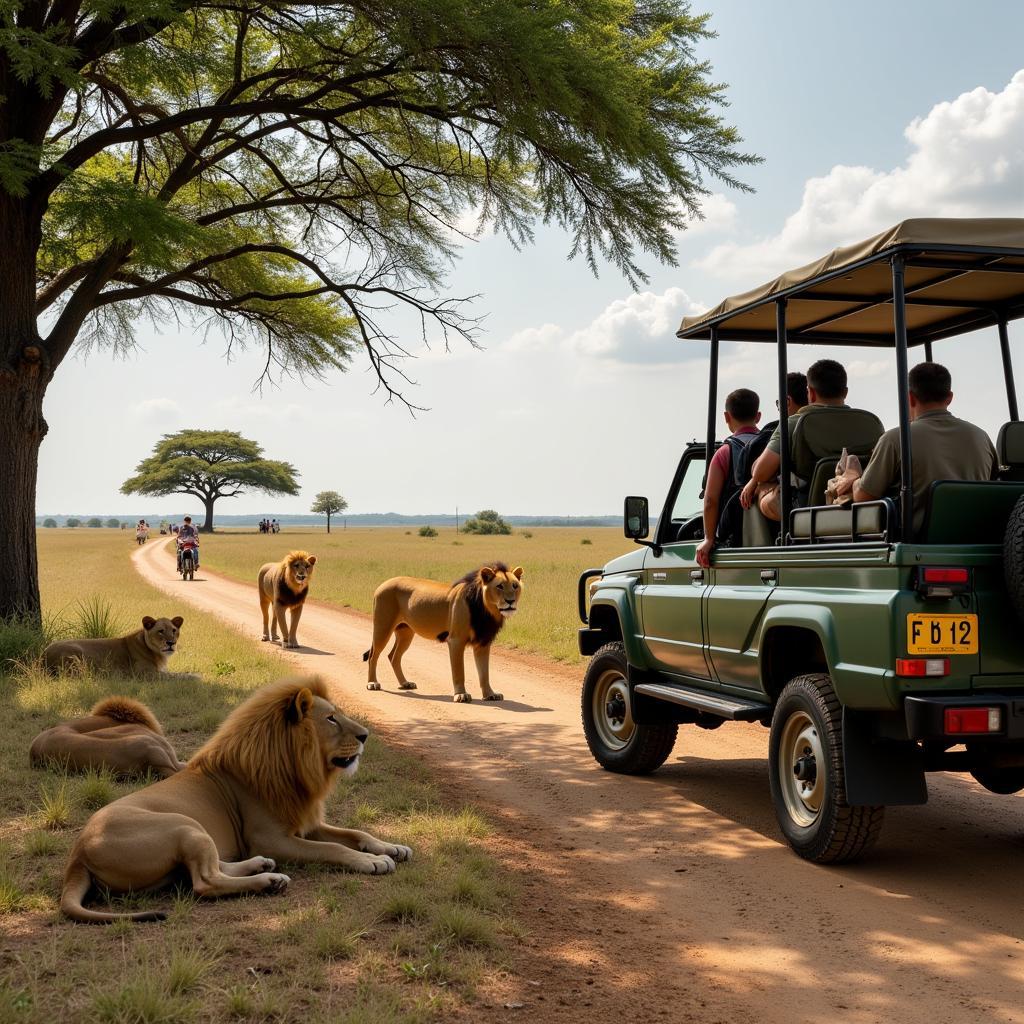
x: 209, y: 464
x: 328, y: 503
x: 428, y: 531
x: 94, y: 523
x: 113, y: 523
x: 73, y: 522
x: 49, y: 523
x: 487, y: 521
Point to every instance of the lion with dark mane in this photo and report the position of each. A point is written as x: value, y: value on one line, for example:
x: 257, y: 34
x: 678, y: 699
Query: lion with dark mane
x: 284, y: 585
x: 467, y: 613
x: 254, y: 792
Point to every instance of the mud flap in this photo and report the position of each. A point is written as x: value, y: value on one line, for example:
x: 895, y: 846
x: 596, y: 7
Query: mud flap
x: 878, y: 771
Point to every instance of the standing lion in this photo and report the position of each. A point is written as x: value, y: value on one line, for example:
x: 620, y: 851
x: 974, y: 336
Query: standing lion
x: 283, y: 585
x: 468, y: 612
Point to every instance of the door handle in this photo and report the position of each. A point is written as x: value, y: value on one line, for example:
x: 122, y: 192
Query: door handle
x: 769, y: 575
x: 697, y: 575
x: 659, y: 575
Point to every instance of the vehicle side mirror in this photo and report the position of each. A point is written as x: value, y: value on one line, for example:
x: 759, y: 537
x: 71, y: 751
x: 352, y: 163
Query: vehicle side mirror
x: 636, y: 524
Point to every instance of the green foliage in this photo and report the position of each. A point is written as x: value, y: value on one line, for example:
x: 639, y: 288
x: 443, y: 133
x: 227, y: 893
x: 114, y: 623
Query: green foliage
x: 20, y: 640
x: 113, y: 523
x: 487, y: 521
x: 427, y: 531
x: 96, y: 619
x: 209, y: 464
x: 49, y: 523
x: 73, y: 522
x: 328, y: 503
x: 95, y: 522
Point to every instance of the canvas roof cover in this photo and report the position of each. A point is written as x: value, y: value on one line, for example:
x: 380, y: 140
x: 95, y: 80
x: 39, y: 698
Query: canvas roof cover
x: 961, y: 274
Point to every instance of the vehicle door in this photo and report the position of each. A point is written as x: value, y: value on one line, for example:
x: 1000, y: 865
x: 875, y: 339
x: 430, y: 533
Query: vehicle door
x: 673, y: 585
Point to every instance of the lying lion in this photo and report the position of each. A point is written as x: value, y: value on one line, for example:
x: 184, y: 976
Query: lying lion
x: 283, y: 585
x: 255, y: 791
x: 470, y: 611
x: 142, y: 653
x: 119, y: 733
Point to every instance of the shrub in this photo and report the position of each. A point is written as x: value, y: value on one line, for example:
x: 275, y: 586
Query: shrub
x: 20, y: 639
x: 73, y: 522
x: 96, y: 619
x: 113, y: 523
x: 586, y: 540
x: 428, y: 531
x: 49, y: 523
x: 527, y: 534
x: 487, y: 521
x: 94, y: 522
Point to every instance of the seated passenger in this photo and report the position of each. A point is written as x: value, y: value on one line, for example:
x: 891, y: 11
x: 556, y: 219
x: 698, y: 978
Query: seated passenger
x: 942, y: 446
x: 826, y: 389
x: 796, y: 393
x: 742, y: 413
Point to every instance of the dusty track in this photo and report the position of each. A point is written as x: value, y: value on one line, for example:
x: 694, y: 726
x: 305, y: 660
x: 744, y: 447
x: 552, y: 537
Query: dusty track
x: 672, y: 897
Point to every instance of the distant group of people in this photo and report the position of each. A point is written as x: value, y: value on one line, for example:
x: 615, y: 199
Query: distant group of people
x: 943, y: 448
x: 270, y: 526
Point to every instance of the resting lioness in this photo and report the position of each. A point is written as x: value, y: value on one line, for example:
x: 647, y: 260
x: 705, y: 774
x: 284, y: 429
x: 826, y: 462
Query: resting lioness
x: 142, y: 653
x: 255, y: 790
x: 119, y: 733
x: 470, y: 611
x: 284, y: 585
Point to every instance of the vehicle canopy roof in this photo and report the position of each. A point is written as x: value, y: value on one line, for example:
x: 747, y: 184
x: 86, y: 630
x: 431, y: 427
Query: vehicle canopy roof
x: 961, y: 274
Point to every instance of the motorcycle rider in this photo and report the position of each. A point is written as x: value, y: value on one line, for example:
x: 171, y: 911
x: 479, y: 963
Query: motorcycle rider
x: 188, y: 532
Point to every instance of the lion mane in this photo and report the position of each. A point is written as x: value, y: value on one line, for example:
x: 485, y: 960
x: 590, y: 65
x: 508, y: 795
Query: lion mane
x: 262, y: 745
x: 485, y: 626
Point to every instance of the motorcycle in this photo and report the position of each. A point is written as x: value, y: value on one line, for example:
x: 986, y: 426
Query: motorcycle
x: 187, y: 560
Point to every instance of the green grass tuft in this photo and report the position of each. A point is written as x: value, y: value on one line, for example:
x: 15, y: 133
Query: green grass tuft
x: 464, y: 926
x: 96, y: 788
x: 55, y: 804
x: 406, y: 907
x: 42, y: 844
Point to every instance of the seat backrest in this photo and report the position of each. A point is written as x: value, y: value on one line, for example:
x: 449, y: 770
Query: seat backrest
x: 757, y: 531
x: 834, y: 524
x: 822, y: 433
x: 969, y: 511
x: 1010, y: 449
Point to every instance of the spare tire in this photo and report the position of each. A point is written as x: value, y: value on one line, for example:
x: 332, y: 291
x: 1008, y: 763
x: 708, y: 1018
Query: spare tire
x: 1013, y: 557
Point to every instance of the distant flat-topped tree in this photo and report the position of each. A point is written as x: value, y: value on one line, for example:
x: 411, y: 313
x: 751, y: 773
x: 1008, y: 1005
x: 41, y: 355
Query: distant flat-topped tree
x: 209, y: 464
x: 329, y: 503
x: 294, y: 171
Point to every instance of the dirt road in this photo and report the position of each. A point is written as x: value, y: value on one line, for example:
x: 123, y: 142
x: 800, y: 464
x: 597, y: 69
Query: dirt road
x: 673, y: 895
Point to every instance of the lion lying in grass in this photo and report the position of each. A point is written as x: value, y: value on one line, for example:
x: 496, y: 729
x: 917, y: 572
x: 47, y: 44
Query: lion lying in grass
x: 142, y: 653
x: 119, y: 733
x: 253, y: 792
x: 283, y: 585
x: 470, y: 611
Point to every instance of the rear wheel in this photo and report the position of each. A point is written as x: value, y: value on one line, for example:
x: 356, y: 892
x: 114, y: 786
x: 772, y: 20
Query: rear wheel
x: 1013, y: 558
x: 805, y: 768
x: 1000, y: 780
x: 616, y: 741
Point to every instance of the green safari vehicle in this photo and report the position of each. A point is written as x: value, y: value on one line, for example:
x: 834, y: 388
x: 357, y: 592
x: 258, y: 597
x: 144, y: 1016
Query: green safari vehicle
x: 873, y: 654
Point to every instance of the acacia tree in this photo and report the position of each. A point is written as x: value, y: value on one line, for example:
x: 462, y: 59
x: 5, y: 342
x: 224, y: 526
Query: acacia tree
x: 287, y: 171
x: 209, y: 464
x: 329, y: 503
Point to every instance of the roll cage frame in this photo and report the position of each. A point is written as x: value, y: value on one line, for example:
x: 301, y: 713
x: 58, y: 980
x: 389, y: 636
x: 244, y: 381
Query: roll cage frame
x: 988, y: 259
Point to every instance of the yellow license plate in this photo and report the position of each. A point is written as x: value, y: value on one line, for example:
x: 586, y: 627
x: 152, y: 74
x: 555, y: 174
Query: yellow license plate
x: 942, y: 634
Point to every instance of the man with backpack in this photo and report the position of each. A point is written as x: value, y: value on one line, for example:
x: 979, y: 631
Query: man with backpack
x: 728, y: 471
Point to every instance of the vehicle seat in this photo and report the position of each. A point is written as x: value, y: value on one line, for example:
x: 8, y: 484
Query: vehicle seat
x: 870, y: 520
x: 819, y: 437
x: 1010, y: 449
x: 757, y: 531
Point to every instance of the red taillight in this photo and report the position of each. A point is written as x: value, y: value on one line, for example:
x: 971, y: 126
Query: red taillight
x: 921, y: 667
x: 961, y: 576
x: 960, y: 721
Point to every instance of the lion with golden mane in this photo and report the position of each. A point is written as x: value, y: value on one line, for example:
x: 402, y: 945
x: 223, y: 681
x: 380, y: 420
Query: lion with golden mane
x: 252, y: 794
x: 284, y: 585
x: 467, y: 613
x: 119, y: 734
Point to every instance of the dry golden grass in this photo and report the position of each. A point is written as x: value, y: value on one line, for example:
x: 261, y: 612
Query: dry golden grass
x: 409, y: 947
x: 351, y: 563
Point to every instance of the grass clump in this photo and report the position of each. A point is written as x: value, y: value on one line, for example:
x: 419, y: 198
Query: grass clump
x: 427, y: 531
x: 406, y: 907
x: 96, y: 788
x: 96, y: 619
x: 21, y: 640
x: 42, y: 844
x: 55, y: 804
x: 464, y: 926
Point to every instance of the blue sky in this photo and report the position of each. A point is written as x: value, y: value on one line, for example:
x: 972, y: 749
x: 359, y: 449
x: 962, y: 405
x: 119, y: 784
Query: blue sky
x: 865, y: 114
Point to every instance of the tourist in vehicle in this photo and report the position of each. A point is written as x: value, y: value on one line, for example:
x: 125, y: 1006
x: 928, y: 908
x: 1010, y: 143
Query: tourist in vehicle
x: 796, y: 393
x: 943, y: 447
x: 826, y: 389
x: 742, y: 414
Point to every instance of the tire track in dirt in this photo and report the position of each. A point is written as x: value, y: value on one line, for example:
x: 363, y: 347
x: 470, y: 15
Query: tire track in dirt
x: 672, y: 897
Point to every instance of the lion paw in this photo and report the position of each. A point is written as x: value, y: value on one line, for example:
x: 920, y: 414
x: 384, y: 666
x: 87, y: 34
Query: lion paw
x: 407, y: 685
x: 463, y: 698
x: 277, y: 883
x: 494, y: 696
x: 265, y: 637
x: 399, y: 853
x: 266, y: 864
x: 382, y: 865
x: 289, y: 646
x: 373, y: 686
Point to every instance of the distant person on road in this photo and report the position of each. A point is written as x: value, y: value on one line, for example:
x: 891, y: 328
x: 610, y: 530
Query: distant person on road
x: 742, y: 414
x: 942, y: 447
x: 142, y: 531
x: 188, y: 532
x: 275, y: 526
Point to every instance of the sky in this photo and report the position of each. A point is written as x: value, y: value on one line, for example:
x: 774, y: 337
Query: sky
x: 865, y: 114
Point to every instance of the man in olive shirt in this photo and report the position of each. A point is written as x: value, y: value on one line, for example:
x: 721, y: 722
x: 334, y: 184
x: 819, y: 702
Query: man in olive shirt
x: 943, y: 447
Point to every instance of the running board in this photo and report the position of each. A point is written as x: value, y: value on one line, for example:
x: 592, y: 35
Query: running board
x: 735, y: 709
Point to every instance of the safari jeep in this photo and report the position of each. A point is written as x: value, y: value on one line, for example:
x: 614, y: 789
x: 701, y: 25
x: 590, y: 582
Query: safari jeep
x: 872, y: 654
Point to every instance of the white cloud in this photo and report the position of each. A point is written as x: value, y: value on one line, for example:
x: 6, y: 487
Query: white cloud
x: 720, y: 217
x: 966, y: 160
x: 160, y: 411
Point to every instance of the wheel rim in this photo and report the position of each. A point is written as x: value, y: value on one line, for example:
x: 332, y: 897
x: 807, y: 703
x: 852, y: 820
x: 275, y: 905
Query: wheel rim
x: 610, y: 709
x: 802, y: 769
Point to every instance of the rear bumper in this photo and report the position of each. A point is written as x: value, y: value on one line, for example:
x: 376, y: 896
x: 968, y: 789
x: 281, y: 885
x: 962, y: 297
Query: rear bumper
x: 926, y: 716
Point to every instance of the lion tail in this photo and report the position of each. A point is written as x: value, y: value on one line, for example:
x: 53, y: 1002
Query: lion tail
x: 77, y: 882
x: 366, y: 654
x: 124, y: 709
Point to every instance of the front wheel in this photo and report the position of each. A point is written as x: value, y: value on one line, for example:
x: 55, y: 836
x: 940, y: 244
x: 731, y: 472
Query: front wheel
x: 616, y: 741
x: 1003, y: 781
x: 805, y: 769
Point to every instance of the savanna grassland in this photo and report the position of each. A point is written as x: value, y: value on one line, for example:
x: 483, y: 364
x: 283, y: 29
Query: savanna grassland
x: 351, y: 563
x: 410, y: 947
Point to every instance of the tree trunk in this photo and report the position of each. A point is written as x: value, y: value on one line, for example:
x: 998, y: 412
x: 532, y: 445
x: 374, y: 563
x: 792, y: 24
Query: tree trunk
x: 328, y: 522
x: 24, y: 375
x: 208, y: 525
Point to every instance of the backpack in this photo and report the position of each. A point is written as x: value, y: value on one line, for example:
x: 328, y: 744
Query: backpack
x: 744, y: 450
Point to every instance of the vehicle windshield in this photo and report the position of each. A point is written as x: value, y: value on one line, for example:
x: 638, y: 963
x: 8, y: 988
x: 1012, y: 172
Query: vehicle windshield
x: 688, y: 501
